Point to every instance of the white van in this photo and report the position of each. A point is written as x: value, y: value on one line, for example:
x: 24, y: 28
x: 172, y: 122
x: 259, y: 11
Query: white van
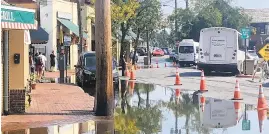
x: 188, y: 51
x: 219, y: 113
x: 219, y: 50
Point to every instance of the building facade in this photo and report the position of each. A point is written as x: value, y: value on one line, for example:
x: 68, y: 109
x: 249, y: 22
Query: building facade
x: 260, y: 25
x: 15, y: 25
x: 59, y: 19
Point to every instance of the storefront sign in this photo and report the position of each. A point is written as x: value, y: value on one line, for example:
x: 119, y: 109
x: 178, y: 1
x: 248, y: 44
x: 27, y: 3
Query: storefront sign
x: 67, y: 40
x: 17, y: 18
x: 10, y: 14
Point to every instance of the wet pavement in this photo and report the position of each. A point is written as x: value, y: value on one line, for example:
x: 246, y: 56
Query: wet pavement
x: 149, y: 109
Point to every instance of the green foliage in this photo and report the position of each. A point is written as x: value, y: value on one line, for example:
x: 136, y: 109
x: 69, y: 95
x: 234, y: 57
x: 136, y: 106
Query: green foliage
x: 208, y: 13
x: 33, y: 77
x: 144, y: 118
x: 148, y: 15
x: 125, y: 124
x: 122, y: 11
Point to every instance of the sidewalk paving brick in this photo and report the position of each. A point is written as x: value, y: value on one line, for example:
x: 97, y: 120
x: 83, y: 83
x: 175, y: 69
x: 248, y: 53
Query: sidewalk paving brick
x: 52, y: 102
x: 56, y: 74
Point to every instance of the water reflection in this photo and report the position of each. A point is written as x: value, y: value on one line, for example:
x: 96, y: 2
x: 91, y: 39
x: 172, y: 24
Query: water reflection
x: 142, y: 117
x: 150, y: 109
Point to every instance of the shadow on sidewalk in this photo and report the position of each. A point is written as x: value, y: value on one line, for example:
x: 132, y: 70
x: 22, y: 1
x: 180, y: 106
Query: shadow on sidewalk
x: 68, y: 112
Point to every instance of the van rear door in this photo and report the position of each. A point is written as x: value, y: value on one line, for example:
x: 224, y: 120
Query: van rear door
x: 217, y: 48
x: 186, y: 53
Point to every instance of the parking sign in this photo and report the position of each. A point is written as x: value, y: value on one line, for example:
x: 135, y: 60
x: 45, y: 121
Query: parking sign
x: 245, y: 33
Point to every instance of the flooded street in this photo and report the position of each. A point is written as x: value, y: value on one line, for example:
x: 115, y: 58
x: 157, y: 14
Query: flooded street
x: 149, y: 109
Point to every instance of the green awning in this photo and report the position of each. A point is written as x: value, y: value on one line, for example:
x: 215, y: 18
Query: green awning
x: 17, y: 18
x: 72, y: 27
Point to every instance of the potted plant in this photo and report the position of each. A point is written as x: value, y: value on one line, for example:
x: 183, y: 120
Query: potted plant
x: 33, y: 81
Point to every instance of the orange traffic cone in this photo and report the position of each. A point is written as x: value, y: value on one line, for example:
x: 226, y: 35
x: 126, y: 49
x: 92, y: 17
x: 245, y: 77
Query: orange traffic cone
x: 262, y: 104
x: 202, y: 100
x: 131, y: 87
x: 132, y: 75
x: 237, y: 107
x: 262, y: 115
x: 177, y: 82
x: 127, y: 73
x: 202, y: 83
x: 177, y: 95
x: 237, y: 94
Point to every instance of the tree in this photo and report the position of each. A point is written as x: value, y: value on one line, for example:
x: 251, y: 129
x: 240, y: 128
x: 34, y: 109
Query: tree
x: 209, y: 13
x: 144, y: 117
x: 122, y: 15
x: 147, y: 19
x: 161, y: 38
x: 185, y: 18
x: 208, y: 17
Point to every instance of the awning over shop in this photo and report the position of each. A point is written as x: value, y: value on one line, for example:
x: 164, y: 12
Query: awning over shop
x: 73, y: 27
x: 39, y: 36
x: 17, y: 18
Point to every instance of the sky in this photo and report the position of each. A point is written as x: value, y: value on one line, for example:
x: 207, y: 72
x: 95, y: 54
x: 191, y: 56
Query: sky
x: 241, y: 3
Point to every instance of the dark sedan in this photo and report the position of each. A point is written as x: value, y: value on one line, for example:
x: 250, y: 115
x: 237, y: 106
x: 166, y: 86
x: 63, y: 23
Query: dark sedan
x: 86, y: 70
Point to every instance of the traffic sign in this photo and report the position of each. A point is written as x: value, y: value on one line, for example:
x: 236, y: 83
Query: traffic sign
x: 246, y: 125
x: 245, y: 33
x: 264, y: 52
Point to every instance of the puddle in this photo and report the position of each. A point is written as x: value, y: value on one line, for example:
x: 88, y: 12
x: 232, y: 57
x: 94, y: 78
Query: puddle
x: 148, y: 109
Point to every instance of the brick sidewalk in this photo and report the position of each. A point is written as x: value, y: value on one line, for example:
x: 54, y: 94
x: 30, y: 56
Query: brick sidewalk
x: 57, y: 74
x: 51, y: 103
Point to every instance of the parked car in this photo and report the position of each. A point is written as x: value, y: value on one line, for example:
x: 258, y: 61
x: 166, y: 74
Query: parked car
x: 165, y: 50
x: 86, y: 70
x: 158, y: 52
x: 141, y: 51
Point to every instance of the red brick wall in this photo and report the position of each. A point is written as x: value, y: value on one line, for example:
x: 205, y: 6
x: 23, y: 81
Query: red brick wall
x: 16, y: 101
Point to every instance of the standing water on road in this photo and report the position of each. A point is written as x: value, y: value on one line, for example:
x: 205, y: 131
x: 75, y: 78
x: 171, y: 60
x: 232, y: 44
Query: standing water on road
x: 149, y: 109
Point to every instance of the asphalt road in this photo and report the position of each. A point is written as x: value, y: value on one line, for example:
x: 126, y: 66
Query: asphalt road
x: 219, y: 85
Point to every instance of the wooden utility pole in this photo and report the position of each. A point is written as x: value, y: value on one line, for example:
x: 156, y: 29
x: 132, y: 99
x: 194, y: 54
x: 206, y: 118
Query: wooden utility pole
x: 104, y: 81
x: 80, y: 26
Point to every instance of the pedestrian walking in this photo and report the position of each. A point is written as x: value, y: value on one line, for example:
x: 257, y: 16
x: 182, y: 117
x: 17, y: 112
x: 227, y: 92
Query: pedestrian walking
x: 44, y: 60
x: 52, y: 61
x: 39, y: 66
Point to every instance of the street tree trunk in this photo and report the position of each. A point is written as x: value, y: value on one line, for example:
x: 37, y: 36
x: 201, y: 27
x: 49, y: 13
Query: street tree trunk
x: 104, y: 81
x: 136, y: 44
x: 124, y: 29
